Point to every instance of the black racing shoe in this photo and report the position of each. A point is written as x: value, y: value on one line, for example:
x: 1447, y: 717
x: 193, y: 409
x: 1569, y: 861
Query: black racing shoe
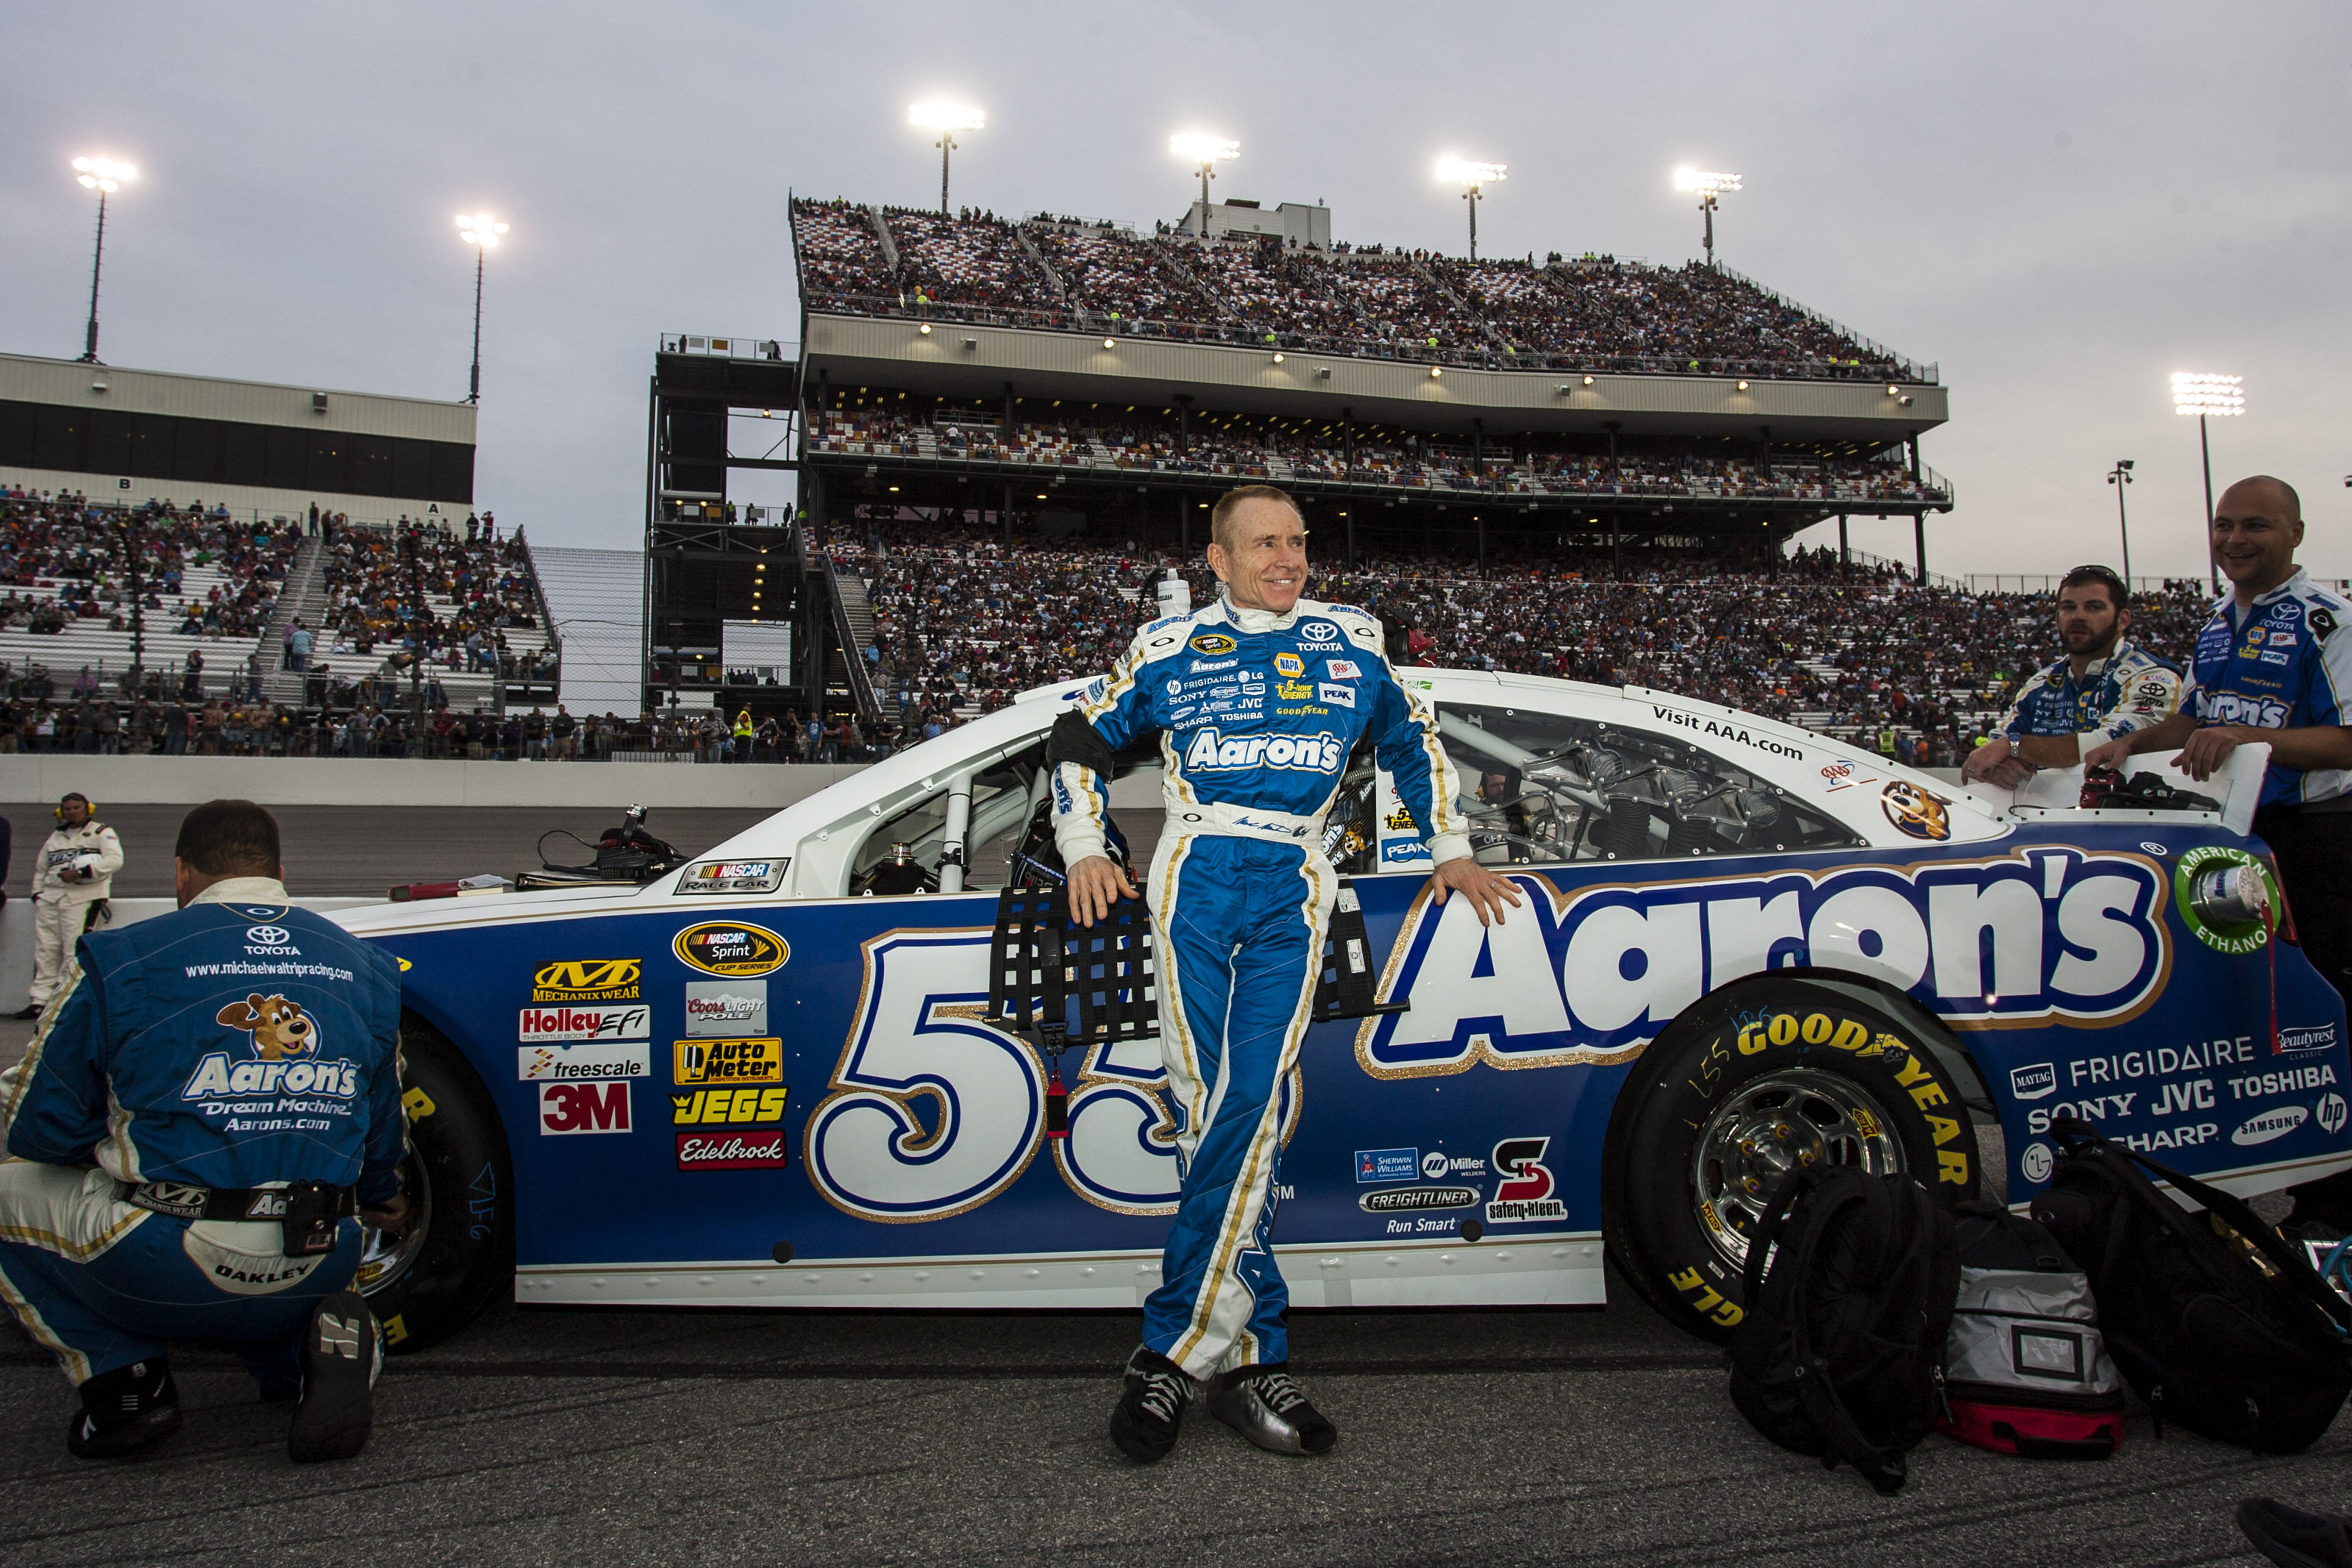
x: 2294, y: 1539
x: 1144, y: 1425
x: 30, y: 1010
x: 1265, y: 1406
x: 124, y: 1410
x: 342, y: 1356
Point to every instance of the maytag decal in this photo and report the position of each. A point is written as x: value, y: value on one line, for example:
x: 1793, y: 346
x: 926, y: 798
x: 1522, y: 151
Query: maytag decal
x: 2039, y: 1081
x: 733, y: 876
x: 551, y: 1064
x: 543, y: 1026
x: 730, y: 947
x: 587, y: 980
x: 1592, y: 975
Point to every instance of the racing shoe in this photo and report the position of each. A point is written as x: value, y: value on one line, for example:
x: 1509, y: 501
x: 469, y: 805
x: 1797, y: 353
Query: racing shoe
x: 125, y: 1409
x: 343, y: 1352
x: 1144, y: 1425
x: 1265, y: 1406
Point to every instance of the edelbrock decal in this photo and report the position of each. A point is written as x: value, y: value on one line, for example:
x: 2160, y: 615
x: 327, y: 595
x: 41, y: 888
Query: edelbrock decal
x: 2071, y: 935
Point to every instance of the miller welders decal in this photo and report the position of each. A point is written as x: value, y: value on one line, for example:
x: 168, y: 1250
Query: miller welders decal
x: 1593, y: 974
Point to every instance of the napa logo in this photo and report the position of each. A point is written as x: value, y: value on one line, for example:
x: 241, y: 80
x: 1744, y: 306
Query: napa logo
x: 1593, y: 974
x: 1209, y: 751
x: 1214, y: 644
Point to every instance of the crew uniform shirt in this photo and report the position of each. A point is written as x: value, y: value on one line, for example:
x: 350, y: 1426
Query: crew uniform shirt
x: 2128, y: 691
x: 235, y: 1043
x: 2282, y: 663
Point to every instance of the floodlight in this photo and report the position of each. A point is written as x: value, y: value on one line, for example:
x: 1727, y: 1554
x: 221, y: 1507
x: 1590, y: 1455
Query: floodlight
x: 1458, y: 171
x: 103, y: 174
x: 1703, y: 183
x: 2217, y: 395
x: 944, y: 116
x: 1204, y: 149
x: 480, y: 230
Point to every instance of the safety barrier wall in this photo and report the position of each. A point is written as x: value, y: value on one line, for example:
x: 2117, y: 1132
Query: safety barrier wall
x: 16, y: 937
x: 328, y: 781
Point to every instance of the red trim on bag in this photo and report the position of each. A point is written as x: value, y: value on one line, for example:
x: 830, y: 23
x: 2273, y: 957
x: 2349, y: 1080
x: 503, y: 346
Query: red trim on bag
x: 2036, y: 1433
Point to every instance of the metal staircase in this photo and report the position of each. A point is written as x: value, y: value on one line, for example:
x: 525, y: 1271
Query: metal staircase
x: 303, y: 593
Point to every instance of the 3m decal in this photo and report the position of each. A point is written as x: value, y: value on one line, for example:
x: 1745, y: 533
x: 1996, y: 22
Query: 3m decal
x: 554, y: 1063
x: 769, y: 1149
x: 728, y: 1061
x: 731, y: 948
x: 539, y: 1025
x: 1524, y: 1195
x: 728, y: 1107
x: 1596, y: 973
x: 587, y: 980
x: 579, y: 1108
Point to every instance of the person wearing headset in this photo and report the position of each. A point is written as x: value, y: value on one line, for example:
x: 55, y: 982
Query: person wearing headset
x: 71, y: 881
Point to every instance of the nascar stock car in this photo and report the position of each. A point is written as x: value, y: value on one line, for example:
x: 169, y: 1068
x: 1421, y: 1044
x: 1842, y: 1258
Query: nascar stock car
x: 787, y: 1073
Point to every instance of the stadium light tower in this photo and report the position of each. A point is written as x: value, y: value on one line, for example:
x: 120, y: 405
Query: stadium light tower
x: 105, y: 176
x: 1708, y: 186
x: 2208, y: 396
x: 947, y: 119
x: 1470, y: 176
x: 2119, y: 476
x: 481, y: 231
x: 1207, y: 152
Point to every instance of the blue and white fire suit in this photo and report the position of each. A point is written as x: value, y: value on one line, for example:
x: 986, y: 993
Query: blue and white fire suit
x: 2130, y: 689
x: 239, y: 1043
x: 2280, y: 663
x: 1258, y: 714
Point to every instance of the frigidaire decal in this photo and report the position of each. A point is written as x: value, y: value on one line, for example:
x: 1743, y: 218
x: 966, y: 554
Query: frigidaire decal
x: 1595, y: 975
x: 731, y: 948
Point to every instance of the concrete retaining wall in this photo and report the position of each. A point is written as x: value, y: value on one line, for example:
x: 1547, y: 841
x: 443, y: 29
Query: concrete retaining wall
x: 16, y: 935
x: 327, y: 780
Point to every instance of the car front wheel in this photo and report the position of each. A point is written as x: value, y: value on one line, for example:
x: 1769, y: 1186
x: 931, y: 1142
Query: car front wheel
x: 1755, y: 1082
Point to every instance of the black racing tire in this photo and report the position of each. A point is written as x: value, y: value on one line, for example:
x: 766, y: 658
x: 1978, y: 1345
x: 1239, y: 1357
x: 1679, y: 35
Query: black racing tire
x: 460, y: 1247
x: 1738, y: 1091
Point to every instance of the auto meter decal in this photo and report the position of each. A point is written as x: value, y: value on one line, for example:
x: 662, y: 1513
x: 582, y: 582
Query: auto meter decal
x: 1593, y: 976
x: 732, y: 948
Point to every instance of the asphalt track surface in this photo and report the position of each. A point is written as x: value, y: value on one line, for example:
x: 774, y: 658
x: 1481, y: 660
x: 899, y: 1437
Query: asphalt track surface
x: 551, y: 1436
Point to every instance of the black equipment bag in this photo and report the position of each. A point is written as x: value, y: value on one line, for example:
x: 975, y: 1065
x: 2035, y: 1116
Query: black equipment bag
x: 2216, y: 1319
x: 1851, y: 1279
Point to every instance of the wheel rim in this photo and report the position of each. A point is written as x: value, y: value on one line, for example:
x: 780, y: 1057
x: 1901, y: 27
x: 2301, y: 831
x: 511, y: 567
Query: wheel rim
x: 384, y: 1259
x: 1771, y: 1126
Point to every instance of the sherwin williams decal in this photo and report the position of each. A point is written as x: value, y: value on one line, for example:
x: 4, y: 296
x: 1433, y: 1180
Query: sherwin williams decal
x: 730, y: 947
x: 1593, y: 976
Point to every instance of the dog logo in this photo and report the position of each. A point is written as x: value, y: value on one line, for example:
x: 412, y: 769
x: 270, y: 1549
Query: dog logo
x: 279, y: 1028
x: 1919, y: 813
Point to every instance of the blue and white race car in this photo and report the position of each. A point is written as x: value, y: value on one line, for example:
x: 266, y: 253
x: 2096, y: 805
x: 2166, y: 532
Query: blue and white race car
x: 770, y: 1078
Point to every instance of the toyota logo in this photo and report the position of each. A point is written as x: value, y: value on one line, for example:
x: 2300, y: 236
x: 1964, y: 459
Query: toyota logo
x: 1319, y: 631
x: 268, y: 936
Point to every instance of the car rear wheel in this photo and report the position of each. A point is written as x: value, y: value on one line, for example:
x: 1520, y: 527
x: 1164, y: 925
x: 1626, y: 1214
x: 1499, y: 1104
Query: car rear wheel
x: 1753, y: 1083
x: 459, y: 1246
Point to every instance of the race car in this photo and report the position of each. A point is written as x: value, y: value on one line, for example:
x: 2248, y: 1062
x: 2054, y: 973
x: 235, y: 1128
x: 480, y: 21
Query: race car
x: 783, y: 1074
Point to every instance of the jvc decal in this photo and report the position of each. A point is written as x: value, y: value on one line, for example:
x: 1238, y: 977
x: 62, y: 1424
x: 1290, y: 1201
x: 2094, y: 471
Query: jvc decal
x: 1592, y: 975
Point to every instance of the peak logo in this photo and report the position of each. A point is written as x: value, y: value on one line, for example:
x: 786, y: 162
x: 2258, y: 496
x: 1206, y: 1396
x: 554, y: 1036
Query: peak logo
x: 1598, y: 972
x: 1210, y: 752
x: 587, y: 980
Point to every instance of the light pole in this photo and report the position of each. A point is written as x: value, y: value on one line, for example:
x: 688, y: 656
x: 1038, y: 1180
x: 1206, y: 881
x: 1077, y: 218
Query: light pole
x: 2119, y: 476
x: 105, y: 176
x: 2213, y: 397
x: 1470, y: 176
x: 1708, y: 186
x: 481, y: 231
x: 1208, y: 152
x: 947, y: 119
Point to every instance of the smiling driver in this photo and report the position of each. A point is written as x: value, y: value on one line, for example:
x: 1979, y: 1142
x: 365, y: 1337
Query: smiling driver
x: 1261, y: 698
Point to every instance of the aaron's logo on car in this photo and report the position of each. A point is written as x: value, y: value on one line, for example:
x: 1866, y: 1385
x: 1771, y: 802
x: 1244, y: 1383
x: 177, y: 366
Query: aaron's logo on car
x: 587, y: 980
x: 718, y: 947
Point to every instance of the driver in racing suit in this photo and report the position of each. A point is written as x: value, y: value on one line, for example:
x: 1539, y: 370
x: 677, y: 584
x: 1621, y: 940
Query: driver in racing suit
x: 209, y: 1100
x: 1260, y: 698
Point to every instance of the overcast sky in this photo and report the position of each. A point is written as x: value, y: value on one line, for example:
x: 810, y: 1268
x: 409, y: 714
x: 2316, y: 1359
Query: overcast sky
x: 2061, y: 204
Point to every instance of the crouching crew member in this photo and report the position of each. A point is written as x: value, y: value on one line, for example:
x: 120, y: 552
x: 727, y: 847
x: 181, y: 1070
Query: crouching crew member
x: 2104, y: 685
x: 71, y: 886
x: 1262, y: 696
x: 211, y: 1099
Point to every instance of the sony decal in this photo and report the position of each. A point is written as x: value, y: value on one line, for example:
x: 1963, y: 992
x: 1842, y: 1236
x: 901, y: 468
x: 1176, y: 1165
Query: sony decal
x: 2050, y: 933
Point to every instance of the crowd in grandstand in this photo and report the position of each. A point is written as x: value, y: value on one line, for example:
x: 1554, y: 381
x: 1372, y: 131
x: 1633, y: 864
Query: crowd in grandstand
x: 964, y: 622
x: 385, y: 597
x: 64, y: 561
x: 1294, y: 451
x: 1591, y: 314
